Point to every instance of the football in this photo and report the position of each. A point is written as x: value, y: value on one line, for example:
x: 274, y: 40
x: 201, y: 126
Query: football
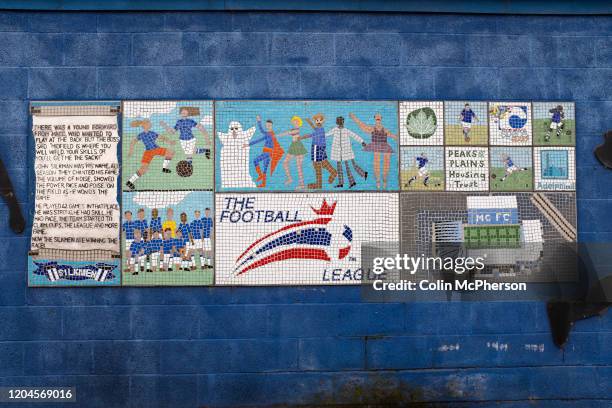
x: 184, y: 168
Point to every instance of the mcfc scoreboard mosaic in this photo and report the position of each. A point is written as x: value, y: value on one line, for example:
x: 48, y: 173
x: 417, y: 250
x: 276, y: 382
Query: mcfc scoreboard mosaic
x: 286, y: 192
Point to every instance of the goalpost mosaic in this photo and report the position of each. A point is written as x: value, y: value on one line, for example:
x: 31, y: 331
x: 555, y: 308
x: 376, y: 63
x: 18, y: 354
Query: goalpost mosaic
x: 285, y: 192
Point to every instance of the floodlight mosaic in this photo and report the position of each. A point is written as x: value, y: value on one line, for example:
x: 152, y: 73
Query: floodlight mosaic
x: 421, y: 122
x: 299, y: 238
x: 306, y: 145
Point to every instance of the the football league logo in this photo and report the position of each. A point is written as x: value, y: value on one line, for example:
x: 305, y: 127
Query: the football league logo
x: 317, y: 239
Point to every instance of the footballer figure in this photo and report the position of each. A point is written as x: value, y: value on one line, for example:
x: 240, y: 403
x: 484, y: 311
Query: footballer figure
x: 141, y: 224
x: 510, y: 167
x: 127, y: 228
x: 467, y: 117
x: 169, y: 222
x: 149, y: 138
x: 556, y: 122
x: 184, y: 125
x: 153, y: 251
x: 207, y: 222
x: 197, y: 231
x: 155, y: 225
x: 168, y: 249
x: 185, y: 229
x: 421, y: 163
x: 179, y: 251
x: 137, y: 252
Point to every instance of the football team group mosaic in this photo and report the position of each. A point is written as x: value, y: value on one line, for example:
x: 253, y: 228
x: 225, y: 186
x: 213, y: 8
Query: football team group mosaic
x: 285, y: 192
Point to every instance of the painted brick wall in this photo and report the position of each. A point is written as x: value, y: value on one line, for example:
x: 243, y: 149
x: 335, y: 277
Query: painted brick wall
x: 162, y: 347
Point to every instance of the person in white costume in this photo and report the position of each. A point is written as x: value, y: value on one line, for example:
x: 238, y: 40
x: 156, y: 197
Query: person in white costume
x: 234, y: 157
x: 342, y: 152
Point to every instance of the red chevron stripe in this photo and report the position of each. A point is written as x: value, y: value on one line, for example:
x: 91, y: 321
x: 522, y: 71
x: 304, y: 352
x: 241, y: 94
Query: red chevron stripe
x: 294, y: 253
x: 285, y: 228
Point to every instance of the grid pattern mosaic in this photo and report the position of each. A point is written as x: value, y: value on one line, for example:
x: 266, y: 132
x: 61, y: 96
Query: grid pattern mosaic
x: 285, y: 192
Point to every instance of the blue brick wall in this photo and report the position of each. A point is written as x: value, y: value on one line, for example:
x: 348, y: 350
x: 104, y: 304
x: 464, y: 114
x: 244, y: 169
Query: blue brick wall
x: 188, y: 347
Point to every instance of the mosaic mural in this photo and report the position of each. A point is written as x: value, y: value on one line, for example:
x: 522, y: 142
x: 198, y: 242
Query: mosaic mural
x: 500, y: 187
x: 299, y: 238
x: 167, y: 145
x: 74, y: 239
x: 286, y: 192
x: 167, y: 238
x: 520, y: 235
x: 507, y: 155
x: 305, y: 146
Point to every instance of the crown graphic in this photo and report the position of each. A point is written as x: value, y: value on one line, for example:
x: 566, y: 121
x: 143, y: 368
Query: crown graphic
x: 325, y: 209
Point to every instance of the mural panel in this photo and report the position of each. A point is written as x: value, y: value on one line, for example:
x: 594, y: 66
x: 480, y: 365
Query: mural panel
x: 75, y: 232
x: 306, y: 146
x: 299, y: 239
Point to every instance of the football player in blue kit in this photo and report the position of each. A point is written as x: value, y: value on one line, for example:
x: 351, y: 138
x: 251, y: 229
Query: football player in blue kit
x: 510, y: 166
x: 421, y: 164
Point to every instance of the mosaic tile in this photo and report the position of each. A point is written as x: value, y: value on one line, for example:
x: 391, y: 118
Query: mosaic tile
x: 299, y: 238
x: 306, y: 145
x: 554, y: 124
x: 465, y: 123
x: 421, y: 123
x: 519, y: 235
x: 555, y: 168
x: 76, y: 214
x: 167, y: 238
x: 510, y: 123
x: 511, y: 169
x: 422, y: 168
x: 467, y: 168
x: 167, y: 145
